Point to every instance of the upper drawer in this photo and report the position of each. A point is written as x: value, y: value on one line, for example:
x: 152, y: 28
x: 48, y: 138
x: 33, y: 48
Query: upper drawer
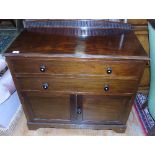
x: 82, y: 85
x: 126, y: 68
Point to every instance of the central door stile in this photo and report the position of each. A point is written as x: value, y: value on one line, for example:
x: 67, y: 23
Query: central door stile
x: 79, y: 108
x: 76, y: 108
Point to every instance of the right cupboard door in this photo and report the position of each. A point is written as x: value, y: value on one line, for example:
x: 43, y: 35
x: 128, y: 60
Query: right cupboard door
x: 105, y: 109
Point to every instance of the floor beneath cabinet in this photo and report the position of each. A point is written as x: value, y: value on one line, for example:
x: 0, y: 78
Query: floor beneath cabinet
x: 133, y: 129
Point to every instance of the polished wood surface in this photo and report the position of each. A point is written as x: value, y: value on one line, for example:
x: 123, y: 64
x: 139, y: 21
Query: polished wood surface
x: 63, y: 81
x: 108, y: 109
x: 137, y: 21
x: 78, y: 85
x: 40, y: 104
x: 69, y: 66
x: 138, y: 24
x: 145, y: 80
x: 141, y: 31
x: 113, y: 46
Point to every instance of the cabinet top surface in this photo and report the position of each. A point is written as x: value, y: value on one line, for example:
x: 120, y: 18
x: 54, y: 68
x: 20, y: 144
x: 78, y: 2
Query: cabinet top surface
x: 124, y: 46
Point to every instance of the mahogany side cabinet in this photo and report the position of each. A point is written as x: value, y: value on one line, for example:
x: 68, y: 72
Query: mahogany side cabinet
x: 72, y: 82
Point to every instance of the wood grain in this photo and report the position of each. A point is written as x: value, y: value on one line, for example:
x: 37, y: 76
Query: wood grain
x: 99, y: 108
x: 47, y: 106
x: 141, y: 31
x: 35, y: 44
x: 75, y: 90
x: 62, y: 66
x: 134, y: 128
x: 84, y: 84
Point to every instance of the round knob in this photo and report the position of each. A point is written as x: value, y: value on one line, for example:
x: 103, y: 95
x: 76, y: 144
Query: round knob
x: 109, y: 70
x: 106, y: 87
x: 79, y: 111
x: 42, y: 68
x: 45, y: 85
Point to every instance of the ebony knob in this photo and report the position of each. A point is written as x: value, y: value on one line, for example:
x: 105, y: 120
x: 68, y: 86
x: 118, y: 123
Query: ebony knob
x: 42, y: 68
x: 79, y: 111
x: 106, y: 87
x: 45, y: 85
x: 109, y: 70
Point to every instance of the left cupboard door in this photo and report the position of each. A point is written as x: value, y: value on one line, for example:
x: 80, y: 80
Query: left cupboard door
x: 45, y: 107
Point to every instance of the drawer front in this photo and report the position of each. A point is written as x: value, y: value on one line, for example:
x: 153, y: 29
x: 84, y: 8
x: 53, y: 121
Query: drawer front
x: 105, y: 109
x: 47, y: 107
x: 128, y: 69
x: 77, y: 85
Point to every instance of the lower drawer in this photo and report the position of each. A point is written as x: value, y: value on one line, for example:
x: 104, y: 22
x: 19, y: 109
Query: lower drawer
x: 85, y: 84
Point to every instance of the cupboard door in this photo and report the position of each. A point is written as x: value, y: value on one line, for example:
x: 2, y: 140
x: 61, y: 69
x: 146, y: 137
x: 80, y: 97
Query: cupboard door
x: 104, y: 109
x: 47, y: 107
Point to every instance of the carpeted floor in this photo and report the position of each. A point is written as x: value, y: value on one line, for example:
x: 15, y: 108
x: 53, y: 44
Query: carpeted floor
x: 6, y: 37
x: 144, y: 116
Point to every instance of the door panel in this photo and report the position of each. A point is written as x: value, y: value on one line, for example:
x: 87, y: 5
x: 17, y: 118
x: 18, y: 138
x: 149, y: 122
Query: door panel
x: 49, y: 107
x: 102, y: 108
